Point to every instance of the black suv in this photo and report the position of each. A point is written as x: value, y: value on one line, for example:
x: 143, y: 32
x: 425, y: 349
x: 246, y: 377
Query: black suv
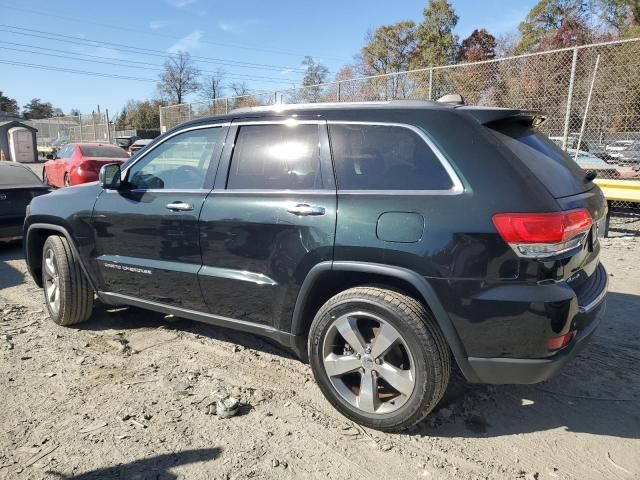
x: 384, y: 242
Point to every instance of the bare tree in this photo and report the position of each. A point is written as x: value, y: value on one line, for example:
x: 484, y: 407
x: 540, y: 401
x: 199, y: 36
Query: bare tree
x: 240, y: 89
x: 212, y: 85
x: 179, y: 78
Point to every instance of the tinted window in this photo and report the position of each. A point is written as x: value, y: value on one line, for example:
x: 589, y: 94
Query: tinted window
x: 103, y: 151
x: 553, y: 167
x: 278, y: 157
x: 380, y: 157
x: 180, y: 162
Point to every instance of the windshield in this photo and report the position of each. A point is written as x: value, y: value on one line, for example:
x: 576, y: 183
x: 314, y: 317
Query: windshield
x: 103, y: 151
x: 12, y: 175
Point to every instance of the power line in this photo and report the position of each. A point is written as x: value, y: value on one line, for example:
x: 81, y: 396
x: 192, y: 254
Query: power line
x: 138, y: 50
x: 157, y: 34
x: 136, y: 64
x: 79, y: 72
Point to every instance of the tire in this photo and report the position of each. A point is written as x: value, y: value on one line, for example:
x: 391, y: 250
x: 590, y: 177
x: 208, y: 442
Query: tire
x: 67, y: 292
x: 67, y: 180
x: 408, y: 378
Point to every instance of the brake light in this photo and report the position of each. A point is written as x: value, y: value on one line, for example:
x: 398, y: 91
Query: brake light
x: 543, y: 234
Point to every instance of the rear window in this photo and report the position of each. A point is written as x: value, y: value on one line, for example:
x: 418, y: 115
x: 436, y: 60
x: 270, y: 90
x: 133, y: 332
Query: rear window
x: 103, y: 151
x: 13, y: 175
x: 384, y: 157
x: 553, y: 167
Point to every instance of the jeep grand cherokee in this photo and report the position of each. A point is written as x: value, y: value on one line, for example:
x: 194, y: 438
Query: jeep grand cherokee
x: 381, y: 241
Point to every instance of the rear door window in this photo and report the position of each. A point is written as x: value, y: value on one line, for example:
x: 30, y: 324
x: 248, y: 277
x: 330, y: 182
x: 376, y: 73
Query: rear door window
x: 384, y: 157
x: 553, y: 167
x: 276, y: 157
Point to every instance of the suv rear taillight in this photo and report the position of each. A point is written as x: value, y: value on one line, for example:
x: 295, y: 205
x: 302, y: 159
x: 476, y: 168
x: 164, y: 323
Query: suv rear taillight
x: 539, y: 235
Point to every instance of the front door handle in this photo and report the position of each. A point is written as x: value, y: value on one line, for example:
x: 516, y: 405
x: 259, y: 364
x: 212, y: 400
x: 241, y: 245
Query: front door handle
x: 303, y: 209
x: 179, y: 207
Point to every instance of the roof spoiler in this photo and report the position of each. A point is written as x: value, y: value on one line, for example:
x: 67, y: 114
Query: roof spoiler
x: 492, y: 117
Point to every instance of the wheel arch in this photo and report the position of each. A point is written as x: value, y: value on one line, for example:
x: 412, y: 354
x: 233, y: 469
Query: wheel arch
x: 347, y: 274
x: 35, y: 237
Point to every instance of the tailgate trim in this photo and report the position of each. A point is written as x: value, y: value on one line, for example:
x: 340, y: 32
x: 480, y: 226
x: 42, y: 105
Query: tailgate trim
x: 599, y: 297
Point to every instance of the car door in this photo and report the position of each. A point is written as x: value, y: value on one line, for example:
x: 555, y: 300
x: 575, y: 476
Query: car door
x: 146, y: 233
x: 268, y: 221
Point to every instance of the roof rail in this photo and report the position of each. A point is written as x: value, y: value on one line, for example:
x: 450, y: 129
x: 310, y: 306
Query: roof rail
x: 281, y: 107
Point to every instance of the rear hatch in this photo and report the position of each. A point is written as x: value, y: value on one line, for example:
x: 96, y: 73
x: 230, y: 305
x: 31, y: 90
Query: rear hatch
x: 570, y: 185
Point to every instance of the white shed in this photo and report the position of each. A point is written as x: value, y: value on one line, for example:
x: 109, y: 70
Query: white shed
x: 21, y: 141
x: 18, y: 141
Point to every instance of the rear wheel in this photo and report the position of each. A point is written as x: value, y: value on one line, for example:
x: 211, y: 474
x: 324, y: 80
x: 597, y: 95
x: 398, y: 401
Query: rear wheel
x: 379, y: 357
x: 67, y: 292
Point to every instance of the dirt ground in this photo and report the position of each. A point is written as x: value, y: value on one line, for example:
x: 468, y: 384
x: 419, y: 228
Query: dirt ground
x: 126, y: 396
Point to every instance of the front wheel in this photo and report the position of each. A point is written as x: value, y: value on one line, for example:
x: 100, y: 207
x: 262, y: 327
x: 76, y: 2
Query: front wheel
x: 67, y: 292
x: 379, y: 357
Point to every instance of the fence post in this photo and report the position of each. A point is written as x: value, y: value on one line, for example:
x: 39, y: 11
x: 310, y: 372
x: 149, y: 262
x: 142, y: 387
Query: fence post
x: 275, y: 97
x: 80, y: 125
x: 567, y: 117
x: 108, y: 126
x: 430, y: 82
x: 338, y: 91
x: 226, y: 104
x: 189, y: 114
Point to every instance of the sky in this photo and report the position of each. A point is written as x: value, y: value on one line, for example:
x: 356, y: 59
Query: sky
x: 259, y: 42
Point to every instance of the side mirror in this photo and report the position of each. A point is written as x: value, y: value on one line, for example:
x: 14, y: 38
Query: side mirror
x: 49, y: 156
x: 110, y: 176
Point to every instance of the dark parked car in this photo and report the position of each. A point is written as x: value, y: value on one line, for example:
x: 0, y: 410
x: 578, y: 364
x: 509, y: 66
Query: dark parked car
x: 139, y: 145
x: 18, y: 186
x: 126, y: 142
x: 382, y: 241
x: 626, y: 153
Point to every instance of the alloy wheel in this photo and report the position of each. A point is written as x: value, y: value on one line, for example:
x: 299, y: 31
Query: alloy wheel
x: 51, y: 281
x: 368, y: 362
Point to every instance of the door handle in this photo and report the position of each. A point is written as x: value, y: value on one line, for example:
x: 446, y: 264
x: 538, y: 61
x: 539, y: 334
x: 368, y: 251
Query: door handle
x: 303, y: 209
x: 179, y: 207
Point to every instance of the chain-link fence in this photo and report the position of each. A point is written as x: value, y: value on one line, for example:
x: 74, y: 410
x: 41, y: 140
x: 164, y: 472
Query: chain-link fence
x: 590, y: 94
x: 57, y: 131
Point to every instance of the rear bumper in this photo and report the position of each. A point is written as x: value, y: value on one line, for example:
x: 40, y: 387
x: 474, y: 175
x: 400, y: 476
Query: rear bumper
x: 534, y: 370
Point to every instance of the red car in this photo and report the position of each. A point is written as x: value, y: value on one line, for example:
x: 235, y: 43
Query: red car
x: 77, y: 163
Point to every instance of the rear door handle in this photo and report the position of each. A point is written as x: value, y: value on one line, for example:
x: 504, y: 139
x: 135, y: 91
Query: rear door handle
x: 303, y: 209
x: 179, y: 207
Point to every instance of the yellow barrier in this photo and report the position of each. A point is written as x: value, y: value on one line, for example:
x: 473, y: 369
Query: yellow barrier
x: 623, y: 190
